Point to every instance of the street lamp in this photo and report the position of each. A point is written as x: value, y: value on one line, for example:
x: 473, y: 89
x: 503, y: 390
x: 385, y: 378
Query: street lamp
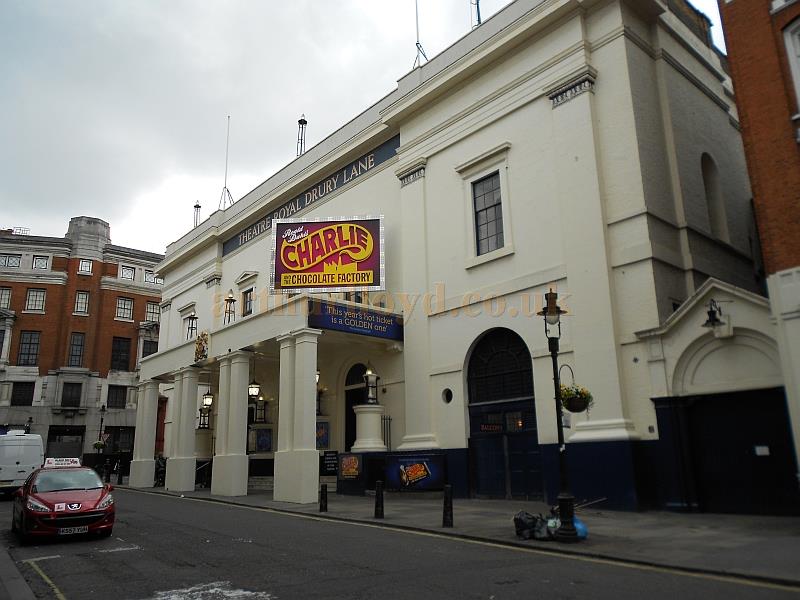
x: 371, y: 380
x: 254, y: 389
x: 713, y: 321
x: 205, y: 410
x: 566, y: 501
x: 100, y: 443
x: 230, y: 308
x: 28, y: 424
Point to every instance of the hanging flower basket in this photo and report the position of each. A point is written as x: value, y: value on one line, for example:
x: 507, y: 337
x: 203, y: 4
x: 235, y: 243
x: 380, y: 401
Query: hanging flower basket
x: 99, y: 445
x: 575, y: 399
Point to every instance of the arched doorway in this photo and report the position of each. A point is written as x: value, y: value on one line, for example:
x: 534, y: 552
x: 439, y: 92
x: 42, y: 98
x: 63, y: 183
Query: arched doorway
x: 354, y: 391
x: 505, y: 458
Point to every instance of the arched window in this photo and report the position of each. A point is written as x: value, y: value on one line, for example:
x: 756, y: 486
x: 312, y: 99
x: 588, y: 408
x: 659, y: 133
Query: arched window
x: 500, y: 368
x: 714, y: 199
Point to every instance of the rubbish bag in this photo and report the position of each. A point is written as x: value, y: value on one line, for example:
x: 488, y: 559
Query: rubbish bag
x: 524, y: 524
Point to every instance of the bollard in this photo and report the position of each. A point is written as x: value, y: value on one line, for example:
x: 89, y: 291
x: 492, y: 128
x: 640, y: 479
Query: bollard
x: 378, y: 499
x: 447, y: 510
x: 323, y: 498
x: 107, y: 471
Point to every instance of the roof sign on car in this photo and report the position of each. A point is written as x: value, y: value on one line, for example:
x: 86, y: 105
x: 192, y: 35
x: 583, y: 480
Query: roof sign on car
x: 54, y: 463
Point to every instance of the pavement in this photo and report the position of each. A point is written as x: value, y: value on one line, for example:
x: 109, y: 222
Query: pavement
x: 755, y: 548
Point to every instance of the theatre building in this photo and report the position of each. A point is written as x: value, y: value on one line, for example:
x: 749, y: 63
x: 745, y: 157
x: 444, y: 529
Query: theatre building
x: 377, y: 297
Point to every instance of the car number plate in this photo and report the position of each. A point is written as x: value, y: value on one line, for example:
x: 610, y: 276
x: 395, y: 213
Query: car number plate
x: 71, y: 530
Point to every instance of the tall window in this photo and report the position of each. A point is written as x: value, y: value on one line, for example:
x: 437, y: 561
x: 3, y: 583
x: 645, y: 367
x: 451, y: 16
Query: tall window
x: 488, y: 213
x: 22, y: 393
x: 28, y: 349
x: 191, y: 326
x: 71, y: 395
x: 120, y: 354
x: 715, y: 201
x: 117, y: 396
x: 247, y: 302
x: 149, y: 347
x: 85, y: 266
x: 82, y: 303
x: 125, y: 308
x: 791, y: 37
x: 40, y: 262
x: 10, y: 260
x: 76, y: 343
x: 127, y: 273
x: 152, y: 312
x: 5, y: 297
x: 35, y: 299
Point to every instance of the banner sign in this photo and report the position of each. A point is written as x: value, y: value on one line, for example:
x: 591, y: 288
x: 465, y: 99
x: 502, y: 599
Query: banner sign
x: 315, y: 193
x: 349, y: 466
x: 418, y: 471
x: 353, y: 319
x: 327, y: 255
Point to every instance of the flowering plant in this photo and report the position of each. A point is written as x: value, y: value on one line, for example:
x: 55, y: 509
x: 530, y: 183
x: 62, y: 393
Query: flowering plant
x: 99, y: 445
x: 576, y: 398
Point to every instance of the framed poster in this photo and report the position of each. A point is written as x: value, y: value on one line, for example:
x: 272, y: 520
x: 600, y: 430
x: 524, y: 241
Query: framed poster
x: 323, y: 435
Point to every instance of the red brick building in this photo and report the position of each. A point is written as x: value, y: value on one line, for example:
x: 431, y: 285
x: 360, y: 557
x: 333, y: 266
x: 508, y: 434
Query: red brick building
x: 76, y: 315
x: 763, y: 41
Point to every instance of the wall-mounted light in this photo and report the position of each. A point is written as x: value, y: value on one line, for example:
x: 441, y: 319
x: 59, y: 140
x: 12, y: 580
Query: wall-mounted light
x: 230, y: 308
x: 254, y: 389
x: 713, y: 321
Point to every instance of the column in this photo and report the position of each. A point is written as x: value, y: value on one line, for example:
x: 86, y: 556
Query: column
x: 230, y: 469
x: 297, y: 467
x: 416, y: 357
x: 175, y: 413
x: 8, y: 325
x: 181, y: 467
x: 144, y: 442
x: 286, y: 393
x: 223, y: 404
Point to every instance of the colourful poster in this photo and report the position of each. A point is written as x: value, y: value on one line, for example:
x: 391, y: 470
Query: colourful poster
x: 327, y: 255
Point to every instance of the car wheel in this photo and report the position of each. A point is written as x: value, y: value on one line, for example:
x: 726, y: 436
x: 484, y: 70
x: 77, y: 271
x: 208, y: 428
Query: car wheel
x: 13, y: 522
x: 22, y: 534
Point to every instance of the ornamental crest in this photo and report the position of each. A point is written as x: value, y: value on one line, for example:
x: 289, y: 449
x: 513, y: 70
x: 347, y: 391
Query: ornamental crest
x: 201, y: 346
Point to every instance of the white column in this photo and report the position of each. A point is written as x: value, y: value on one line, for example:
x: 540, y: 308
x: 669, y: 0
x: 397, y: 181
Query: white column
x: 784, y: 295
x: 297, y: 469
x: 286, y: 394
x: 369, y: 435
x: 223, y: 404
x: 416, y: 360
x: 8, y: 326
x: 175, y: 414
x: 231, y: 469
x: 144, y: 442
x: 181, y: 468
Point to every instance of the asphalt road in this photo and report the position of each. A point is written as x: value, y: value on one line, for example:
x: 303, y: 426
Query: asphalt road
x: 169, y: 548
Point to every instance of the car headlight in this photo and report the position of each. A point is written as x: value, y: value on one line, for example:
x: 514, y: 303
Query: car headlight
x: 106, y: 502
x: 36, y: 506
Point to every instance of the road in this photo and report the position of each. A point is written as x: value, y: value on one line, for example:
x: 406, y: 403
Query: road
x: 169, y: 548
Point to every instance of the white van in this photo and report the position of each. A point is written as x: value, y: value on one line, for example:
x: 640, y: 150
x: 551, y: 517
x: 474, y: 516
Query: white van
x: 20, y: 454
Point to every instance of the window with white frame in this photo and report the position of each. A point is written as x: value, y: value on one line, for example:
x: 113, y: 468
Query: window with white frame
x: 35, y: 299
x: 190, y: 325
x: 81, y: 302
x: 124, y: 308
x: 247, y: 302
x: 41, y: 262
x: 488, y: 208
x: 5, y: 297
x: 85, y: 266
x: 127, y: 273
x: 152, y: 312
x: 76, y: 345
x: 10, y: 260
x: 28, y: 355
x: 150, y: 277
x: 791, y: 38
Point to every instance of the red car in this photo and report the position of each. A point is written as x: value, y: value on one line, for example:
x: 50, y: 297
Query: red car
x: 62, y: 501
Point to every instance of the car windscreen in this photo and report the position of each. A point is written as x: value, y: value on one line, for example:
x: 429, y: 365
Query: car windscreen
x: 55, y: 480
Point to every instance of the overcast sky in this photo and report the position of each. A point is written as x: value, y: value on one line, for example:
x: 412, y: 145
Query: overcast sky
x: 118, y: 109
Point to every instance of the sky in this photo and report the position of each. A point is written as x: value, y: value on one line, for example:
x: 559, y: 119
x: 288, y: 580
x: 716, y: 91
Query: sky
x: 119, y: 110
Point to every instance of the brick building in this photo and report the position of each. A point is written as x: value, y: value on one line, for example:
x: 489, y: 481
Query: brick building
x: 763, y: 41
x: 76, y: 315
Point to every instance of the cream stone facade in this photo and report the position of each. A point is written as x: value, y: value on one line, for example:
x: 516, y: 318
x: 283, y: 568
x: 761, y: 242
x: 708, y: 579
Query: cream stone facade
x: 609, y: 130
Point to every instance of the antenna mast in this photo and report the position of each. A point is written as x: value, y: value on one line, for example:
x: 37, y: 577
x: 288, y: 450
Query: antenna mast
x: 420, y: 52
x: 225, y: 199
x: 197, y: 213
x: 301, y: 134
x: 477, y: 5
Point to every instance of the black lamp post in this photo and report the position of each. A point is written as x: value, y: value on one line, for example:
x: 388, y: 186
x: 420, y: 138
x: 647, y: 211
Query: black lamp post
x: 566, y: 501
x: 371, y: 380
x: 230, y: 308
x: 205, y: 409
x: 100, y: 440
x: 28, y: 424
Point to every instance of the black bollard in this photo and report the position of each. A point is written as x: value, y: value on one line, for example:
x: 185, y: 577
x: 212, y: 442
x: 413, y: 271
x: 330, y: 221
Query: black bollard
x: 107, y: 471
x: 447, y: 510
x: 378, y: 499
x: 323, y: 498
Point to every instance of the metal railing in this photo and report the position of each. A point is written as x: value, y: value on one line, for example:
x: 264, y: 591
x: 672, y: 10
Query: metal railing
x: 386, y: 426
